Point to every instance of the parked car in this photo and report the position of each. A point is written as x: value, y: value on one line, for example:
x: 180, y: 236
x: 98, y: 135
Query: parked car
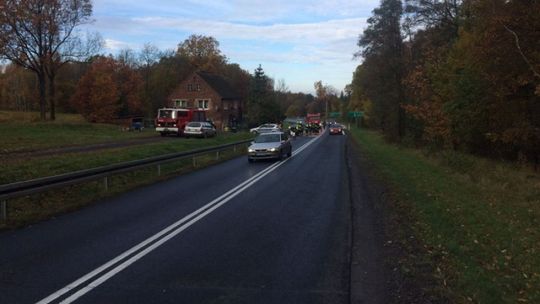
x: 336, y: 129
x: 199, y: 129
x: 275, y: 145
x: 265, y: 128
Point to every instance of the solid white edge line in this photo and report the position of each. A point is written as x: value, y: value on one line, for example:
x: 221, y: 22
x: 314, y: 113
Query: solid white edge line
x: 194, y: 216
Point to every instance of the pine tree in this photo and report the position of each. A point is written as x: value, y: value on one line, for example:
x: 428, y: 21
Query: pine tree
x: 381, y: 45
x: 261, y: 102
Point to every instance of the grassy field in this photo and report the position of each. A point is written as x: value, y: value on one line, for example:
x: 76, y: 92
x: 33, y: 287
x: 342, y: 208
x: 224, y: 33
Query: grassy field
x: 22, y: 132
x: 475, y: 222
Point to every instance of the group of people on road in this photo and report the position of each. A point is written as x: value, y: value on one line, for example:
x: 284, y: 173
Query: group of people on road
x: 300, y: 129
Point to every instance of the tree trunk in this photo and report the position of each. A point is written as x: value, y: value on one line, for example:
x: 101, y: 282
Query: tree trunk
x: 52, y: 94
x: 42, y: 97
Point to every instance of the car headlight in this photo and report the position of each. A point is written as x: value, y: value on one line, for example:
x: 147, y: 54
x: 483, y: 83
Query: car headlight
x: 251, y: 150
x: 273, y: 149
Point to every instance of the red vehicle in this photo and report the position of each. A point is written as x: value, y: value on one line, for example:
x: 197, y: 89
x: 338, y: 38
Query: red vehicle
x: 173, y: 120
x: 336, y: 129
x: 314, y: 118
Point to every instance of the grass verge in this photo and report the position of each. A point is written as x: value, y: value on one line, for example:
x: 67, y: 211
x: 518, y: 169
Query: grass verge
x: 33, y: 208
x: 474, y: 222
x: 22, y: 131
x: 21, y: 169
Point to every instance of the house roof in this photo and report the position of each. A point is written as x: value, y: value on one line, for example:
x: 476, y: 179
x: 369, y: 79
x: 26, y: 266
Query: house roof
x: 220, y: 85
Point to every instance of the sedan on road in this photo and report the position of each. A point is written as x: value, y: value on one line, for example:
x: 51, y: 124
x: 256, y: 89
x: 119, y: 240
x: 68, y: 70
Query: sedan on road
x: 336, y: 129
x: 265, y: 128
x: 200, y: 129
x: 275, y: 145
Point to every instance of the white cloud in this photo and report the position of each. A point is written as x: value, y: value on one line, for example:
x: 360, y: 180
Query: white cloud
x: 303, y: 32
x: 116, y: 45
x: 289, y: 38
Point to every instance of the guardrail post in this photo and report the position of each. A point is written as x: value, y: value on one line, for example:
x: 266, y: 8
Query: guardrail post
x: 158, y: 170
x: 3, y: 210
x: 217, y: 155
x: 106, y: 183
x: 234, y: 148
x: 194, y: 162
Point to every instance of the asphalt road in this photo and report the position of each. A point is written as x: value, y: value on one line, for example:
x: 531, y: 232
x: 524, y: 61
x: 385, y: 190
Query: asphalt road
x: 268, y: 232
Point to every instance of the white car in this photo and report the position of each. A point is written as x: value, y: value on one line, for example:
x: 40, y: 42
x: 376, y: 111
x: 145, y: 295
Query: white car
x: 274, y: 145
x: 265, y: 128
x: 199, y: 129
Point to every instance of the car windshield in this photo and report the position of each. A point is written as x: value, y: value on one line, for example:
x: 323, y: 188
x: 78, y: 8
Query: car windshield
x: 268, y: 138
x: 267, y: 126
x: 194, y: 124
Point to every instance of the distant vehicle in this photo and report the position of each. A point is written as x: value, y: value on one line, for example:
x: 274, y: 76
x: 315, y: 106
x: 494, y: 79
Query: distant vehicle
x: 313, y: 118
x: 336, y: 129
x: 174, y: 120
x: 265, y: 128
x: 275, y: 145
x: 199, y: 129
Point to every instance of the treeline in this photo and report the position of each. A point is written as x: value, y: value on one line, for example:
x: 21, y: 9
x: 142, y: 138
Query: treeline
x: 52, y: 67
x: 463, y: 75
x: 104, y: 88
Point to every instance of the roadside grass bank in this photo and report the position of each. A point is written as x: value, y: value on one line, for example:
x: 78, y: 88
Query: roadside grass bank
x: 22, y: 169
x: 34, y: 208
x: 469, y: 226
x: 22, y: 131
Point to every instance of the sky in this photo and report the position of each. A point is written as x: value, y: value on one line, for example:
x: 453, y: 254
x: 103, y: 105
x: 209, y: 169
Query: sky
x: 297, y: 41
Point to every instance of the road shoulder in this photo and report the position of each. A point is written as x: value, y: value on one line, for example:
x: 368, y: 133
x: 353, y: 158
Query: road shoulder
x: 376, y: 275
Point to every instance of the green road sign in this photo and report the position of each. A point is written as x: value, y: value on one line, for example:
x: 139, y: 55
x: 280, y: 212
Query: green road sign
x: 356, y: 114
x: 334, y: 114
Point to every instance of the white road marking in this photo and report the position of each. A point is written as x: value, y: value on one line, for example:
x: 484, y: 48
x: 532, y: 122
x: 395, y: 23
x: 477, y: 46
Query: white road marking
x: 160, y: 238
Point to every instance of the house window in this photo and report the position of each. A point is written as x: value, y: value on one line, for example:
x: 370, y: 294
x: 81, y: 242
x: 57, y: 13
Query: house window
x: 190, y: 87
x: 203, y: 104
x: 198, y: 87
x: 180, y: 103
x: 225, y: 105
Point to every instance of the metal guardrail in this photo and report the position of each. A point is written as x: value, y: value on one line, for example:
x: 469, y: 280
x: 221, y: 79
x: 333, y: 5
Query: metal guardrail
x: 18, y: 189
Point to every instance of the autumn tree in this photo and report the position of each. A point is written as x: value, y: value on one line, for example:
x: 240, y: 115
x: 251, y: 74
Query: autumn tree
x: 97, y: 93
x: 202, y: 52
x: 17, y: 87
x: 148, y: 57
x: 109, y: 90
x: 39, y: 35
x: 164, y: 76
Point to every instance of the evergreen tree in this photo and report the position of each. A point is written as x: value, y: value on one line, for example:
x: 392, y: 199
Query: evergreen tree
x: 382, y: 45
x: 262, y: 106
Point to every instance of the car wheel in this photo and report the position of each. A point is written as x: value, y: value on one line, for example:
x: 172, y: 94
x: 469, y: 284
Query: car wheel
x: 290, y: 153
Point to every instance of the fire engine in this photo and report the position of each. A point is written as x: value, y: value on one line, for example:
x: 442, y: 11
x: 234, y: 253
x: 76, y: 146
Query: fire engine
x: 174, y: 120
x: 314, y: 118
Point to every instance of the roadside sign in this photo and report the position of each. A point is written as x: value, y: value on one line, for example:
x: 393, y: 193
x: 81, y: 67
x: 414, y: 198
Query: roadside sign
x: 356, y: 114
x: 334, y: 114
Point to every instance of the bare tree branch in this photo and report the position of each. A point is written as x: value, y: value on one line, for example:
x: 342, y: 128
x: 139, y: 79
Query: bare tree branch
x: 516, y: 39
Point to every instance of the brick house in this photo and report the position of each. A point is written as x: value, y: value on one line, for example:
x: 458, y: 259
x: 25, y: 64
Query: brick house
x: 212, y: 93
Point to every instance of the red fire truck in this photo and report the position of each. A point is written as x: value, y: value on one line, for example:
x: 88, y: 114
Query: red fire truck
x: 314, y: 118
x: 174, y: 120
